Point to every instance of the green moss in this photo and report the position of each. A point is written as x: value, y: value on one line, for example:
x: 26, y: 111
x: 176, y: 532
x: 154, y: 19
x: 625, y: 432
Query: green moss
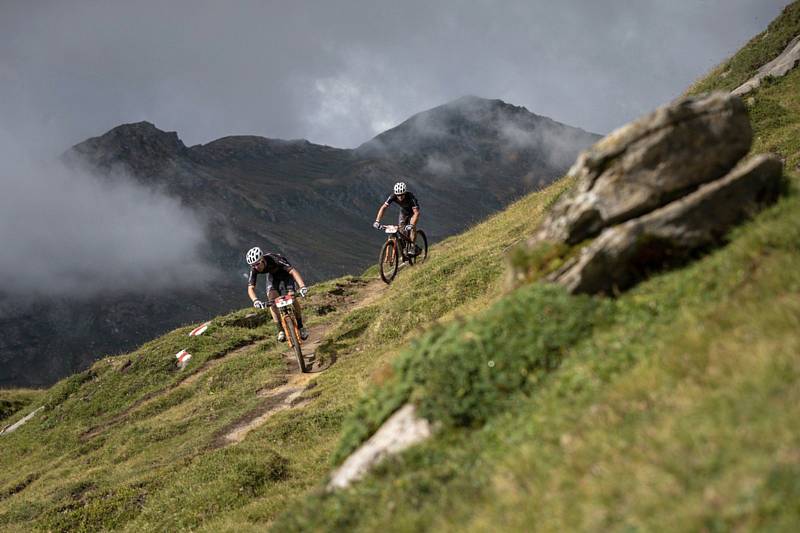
x: 530, y: 263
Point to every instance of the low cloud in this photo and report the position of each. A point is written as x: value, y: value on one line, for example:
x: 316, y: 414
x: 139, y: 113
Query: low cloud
x: 67, y: 233
x: 558, y: 144
x: 443, y: 166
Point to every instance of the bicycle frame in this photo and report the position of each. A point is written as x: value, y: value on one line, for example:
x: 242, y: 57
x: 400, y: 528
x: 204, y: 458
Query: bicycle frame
x: 285, y: 305
x: 393, y: 233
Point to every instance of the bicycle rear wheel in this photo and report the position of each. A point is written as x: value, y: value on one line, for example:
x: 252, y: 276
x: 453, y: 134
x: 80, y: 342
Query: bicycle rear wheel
x: 421, y: 247
x: 298, y: 351
x: 388, y: 260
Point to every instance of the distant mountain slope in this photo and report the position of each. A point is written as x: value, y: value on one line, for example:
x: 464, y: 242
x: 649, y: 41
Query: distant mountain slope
x: 314, y: 203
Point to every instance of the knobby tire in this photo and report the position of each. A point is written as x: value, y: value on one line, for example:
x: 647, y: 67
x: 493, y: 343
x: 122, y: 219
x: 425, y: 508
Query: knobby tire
x: 298, y: 351
x: 388, y: 271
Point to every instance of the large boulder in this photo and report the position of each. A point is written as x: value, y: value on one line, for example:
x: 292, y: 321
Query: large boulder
x: 650, y: 162
x: 652, y: 194
x: 625, y: 253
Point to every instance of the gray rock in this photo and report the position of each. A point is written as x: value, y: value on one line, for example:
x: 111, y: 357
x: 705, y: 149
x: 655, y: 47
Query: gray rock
x: 21, y: 422
x: 789, y: 59
x: 402, y: 430
x: 624, y: 254
x: 650, y: 162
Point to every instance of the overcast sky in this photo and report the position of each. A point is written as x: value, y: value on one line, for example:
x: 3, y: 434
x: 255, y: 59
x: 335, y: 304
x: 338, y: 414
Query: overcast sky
x: 338, y: 72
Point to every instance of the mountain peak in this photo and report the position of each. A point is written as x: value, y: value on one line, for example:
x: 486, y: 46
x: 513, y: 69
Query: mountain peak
x: 143, y: 133
x: 140, y: 145
x: 454, y: 130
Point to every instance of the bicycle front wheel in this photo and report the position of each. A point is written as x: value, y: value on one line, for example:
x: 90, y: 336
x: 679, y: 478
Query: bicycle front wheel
x: 298, y: 351
x: 388, y: 260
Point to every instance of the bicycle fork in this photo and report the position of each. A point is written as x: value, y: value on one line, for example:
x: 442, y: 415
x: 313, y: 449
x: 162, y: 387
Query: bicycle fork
x: 286, y: 329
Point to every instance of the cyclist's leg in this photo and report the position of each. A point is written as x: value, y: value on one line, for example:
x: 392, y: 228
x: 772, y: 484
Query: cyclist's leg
x: 402, y: 221
x: 272, y: 293
x: 288, y: 283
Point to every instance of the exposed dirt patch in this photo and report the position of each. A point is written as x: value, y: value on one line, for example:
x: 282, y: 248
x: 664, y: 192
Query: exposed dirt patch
x: 19, y: 486
x: 371, y: 292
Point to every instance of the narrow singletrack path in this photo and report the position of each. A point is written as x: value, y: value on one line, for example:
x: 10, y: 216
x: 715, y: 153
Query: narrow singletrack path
x: 290, y: 394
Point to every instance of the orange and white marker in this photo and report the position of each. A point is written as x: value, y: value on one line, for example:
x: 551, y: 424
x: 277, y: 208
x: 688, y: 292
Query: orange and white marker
x: 199, y: 330
x: 183, y: 358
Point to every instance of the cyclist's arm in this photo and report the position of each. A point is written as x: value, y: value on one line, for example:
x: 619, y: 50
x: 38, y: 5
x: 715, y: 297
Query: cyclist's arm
x: 381, y: 211
x: 414, y: 217
x: 297, y: 277
x: 251, y: 285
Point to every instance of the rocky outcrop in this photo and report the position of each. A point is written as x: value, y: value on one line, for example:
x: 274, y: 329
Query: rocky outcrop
x: 649, y: 163
x: 780, y: 66
x: 624, y: 254
x: 402, y: 430
x: 653, y: 194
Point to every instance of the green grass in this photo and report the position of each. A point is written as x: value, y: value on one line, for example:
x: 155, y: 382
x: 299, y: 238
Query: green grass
x: 14, y: 400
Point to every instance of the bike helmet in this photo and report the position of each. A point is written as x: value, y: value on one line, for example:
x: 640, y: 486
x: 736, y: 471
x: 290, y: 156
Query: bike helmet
x: 254, y: 255
x: 399, y: 188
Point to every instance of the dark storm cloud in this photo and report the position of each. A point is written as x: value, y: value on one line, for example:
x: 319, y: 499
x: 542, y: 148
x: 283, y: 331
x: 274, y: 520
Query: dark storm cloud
x: 339, y: 72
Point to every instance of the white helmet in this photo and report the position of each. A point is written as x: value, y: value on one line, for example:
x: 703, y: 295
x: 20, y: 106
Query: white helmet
x: 399, y: 188
x: 254, y: 255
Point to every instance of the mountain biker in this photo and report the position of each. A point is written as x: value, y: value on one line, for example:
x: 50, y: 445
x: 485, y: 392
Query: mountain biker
x: 409, y: 209
x: 282, y: 278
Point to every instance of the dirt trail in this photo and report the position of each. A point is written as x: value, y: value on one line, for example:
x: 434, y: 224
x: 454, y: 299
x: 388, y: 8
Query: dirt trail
x: 278, y: 398
x: 370, y: 293
x: 289, y: 395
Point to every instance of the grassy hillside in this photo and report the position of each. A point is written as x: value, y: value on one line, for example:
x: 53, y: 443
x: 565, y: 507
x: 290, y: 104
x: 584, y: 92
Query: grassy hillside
x: 134, y: 443
x: 675, y: 406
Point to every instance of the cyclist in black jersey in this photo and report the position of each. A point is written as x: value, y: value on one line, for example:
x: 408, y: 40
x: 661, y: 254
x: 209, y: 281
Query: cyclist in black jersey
x: 409, y: 209
x: 282, y: 278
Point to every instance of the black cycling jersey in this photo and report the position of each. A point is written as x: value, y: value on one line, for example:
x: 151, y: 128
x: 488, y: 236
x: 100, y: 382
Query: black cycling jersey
x: 406, y: 205
x: 275, y: 264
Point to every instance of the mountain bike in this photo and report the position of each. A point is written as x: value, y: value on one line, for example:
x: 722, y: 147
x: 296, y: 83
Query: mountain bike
x: 285, y: 305
x: 399, y: 246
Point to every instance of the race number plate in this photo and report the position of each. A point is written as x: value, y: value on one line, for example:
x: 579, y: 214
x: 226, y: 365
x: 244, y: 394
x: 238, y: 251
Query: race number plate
x: 390, y: 229
x: 283, y: 302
